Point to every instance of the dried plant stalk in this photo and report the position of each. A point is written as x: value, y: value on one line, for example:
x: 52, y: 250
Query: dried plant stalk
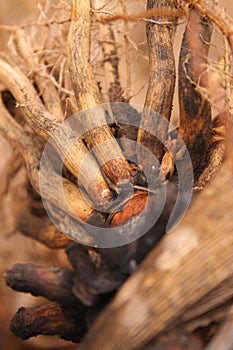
x: 111, y: 63
x: 217, y: 15
x: 29, y: 149
x: 88, y: 95
x: 111, y: 89
x: 195, y: 111
x: 41, y: 230
x: 48, y: 90
x: 127, y: 59
x: 215, y: 156
x: 22, y: 141
x: 44, y: 124
x: 160, y: 35
x: 149, y: 14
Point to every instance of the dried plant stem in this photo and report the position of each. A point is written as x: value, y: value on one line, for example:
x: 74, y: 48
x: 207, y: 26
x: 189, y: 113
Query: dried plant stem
x: 88, y: 95
x: 217, y: 15
x: 227, y: 68
x: 22, y: 141
x: 110, y: 80
x: 48, y: 90
x: 44, y: 124
x: 160, y: 35
x: 111, y: 64
x: 11, y: 28
x: 41, y: 230
x: 127, y: 61
x: 146, y: 15
x: 28, y: 100
x: 195, y: 110
x: 216, y: 155
x: 29, y: 149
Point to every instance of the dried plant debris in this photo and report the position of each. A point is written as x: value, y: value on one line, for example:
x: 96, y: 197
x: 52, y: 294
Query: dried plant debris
x: 76, y: 57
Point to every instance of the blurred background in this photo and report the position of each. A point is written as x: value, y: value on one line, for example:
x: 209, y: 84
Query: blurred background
x: 14, y: 247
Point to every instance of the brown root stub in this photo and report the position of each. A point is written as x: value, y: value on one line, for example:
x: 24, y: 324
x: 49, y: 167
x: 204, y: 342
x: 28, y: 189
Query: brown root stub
x: 54, y: 284
x: 41, y: 230
x: 91, y: 278
x: 48, y: 319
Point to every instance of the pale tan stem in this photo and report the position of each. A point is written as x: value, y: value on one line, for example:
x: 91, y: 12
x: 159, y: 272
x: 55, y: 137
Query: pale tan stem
x: 146, y: 15
x: 127, y: 51
x: 45, y: 124
x: 160, y: 35
x: 216, y: 14
x: 29, y: 149
x: 111, y: 79
x: 48, y: 90
x: 88, y: 95
x: 42, y: 230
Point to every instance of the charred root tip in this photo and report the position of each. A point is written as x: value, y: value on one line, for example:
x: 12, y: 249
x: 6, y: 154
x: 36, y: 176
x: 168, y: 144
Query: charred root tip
x: 49, y: 319
x: 55, y: 284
